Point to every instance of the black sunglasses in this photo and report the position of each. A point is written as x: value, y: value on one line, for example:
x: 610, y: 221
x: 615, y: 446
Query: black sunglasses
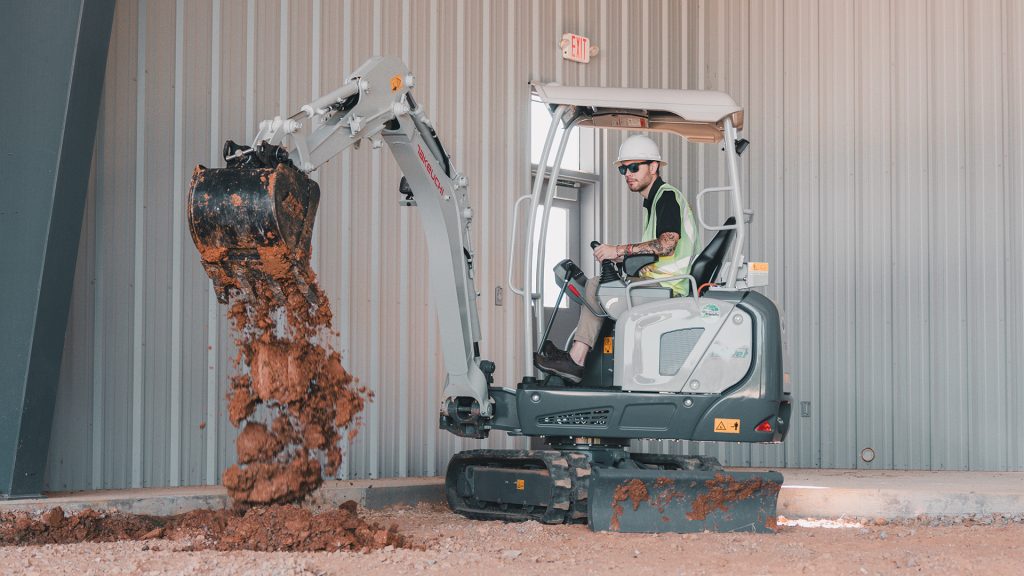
x: 634, y: 167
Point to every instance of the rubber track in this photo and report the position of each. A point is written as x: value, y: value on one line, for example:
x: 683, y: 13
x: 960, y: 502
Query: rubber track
x: 569, y: 473
x: 570, y: 478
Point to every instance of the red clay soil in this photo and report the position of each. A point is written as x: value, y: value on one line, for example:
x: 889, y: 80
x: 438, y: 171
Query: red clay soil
x: 724, y: 489
x: 290, y: 393
x: 286, y: 363
x: 273, y: 528
x: 634, y: 491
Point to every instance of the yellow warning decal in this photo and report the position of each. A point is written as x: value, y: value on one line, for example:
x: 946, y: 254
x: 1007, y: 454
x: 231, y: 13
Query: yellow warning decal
x: 609, y: 345
x: 727, y: 425
x: 759, y: 266
x: 396, y: 83
x: 520, y: 484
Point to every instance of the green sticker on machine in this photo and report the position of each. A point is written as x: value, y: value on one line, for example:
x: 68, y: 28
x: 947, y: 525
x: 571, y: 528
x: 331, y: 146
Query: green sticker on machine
x: 710, y: 311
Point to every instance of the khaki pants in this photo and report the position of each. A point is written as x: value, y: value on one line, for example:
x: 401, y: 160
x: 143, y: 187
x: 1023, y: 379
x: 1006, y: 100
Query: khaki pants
x: 589, y: 325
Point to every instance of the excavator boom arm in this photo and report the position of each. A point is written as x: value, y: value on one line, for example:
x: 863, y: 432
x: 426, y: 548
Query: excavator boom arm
x: 375, y: 105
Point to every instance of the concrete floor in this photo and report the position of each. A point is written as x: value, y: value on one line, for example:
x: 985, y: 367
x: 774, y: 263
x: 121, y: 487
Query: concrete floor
x: 806, y: 493
x: 899, y: 493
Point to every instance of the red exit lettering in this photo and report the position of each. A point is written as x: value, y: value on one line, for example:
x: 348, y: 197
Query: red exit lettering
x: 575, y: 47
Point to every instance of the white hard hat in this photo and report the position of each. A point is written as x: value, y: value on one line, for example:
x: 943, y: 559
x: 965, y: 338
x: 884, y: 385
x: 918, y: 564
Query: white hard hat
x: 639, y: 148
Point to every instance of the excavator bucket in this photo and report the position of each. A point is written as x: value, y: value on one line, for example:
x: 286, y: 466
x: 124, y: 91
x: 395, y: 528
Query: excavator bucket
x: 253, y: 223
x: 631, y: 500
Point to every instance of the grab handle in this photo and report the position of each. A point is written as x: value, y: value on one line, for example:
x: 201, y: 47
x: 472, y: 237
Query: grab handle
x: 512, y: 243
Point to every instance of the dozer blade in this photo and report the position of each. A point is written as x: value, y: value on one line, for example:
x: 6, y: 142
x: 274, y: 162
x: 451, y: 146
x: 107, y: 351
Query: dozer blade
x: 253, y: 226
x: 631, y: 500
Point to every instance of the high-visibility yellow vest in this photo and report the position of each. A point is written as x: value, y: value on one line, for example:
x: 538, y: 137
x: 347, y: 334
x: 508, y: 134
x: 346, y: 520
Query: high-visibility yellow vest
x: 678, y: 262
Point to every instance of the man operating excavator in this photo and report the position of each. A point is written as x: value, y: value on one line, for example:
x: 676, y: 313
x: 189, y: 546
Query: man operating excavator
x: 670, y: 232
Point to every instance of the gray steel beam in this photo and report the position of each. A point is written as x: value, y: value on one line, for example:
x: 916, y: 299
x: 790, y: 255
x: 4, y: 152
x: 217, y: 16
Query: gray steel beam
x: 55, y: 55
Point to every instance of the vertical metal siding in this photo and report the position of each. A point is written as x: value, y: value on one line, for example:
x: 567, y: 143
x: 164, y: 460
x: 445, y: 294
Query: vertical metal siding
x: 764, y: 171
x: 1013, y: 58
x: 985, y: 257
x: 947, y: 208
x: 871, y: 278
x: 802, y: 222
x: 192, y: 139
x: 912, y: 367
x: 837, y: 215
x: 886, y: 170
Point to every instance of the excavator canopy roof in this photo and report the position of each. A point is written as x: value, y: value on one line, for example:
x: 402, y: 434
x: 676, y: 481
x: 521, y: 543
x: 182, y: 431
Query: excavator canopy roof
x: 697, y: 115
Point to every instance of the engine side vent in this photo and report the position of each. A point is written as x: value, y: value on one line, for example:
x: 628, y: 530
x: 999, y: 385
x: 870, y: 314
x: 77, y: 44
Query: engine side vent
x: 595, y: 417
x: 675, y: 349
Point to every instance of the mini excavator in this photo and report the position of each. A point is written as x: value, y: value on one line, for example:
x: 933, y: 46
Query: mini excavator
x: 707, y: 366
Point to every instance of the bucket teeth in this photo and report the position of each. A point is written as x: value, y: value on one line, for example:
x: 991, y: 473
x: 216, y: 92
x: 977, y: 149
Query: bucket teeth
x: 239, y: 273
x: 276, y: 290
x: 305, y: 287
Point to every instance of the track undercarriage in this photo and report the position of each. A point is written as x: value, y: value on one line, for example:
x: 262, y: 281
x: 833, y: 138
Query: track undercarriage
x: 611, y: 489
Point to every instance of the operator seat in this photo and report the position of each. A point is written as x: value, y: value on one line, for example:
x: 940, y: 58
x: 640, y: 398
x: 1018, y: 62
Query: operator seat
x: 709, y: 262
x: 704, y: 269
x: 705, y: 266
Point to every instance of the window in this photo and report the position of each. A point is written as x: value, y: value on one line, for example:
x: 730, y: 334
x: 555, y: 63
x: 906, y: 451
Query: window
x: 555, y: 250
x: 578, y: 151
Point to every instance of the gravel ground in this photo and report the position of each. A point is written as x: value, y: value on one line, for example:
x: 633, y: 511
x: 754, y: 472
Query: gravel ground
x: 988, y: 546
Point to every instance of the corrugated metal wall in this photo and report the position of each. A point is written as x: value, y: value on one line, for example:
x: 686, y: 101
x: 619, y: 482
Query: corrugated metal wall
x: 887, y: 172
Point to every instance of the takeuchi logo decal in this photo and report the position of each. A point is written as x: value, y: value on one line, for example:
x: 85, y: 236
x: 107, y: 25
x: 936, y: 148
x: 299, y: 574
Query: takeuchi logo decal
x: 430, y: 170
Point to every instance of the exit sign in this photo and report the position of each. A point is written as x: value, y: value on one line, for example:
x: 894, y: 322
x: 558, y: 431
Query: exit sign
x: 576, y: 48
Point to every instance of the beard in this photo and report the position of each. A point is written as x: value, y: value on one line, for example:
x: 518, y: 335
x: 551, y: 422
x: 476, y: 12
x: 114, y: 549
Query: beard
x: 636, y: 185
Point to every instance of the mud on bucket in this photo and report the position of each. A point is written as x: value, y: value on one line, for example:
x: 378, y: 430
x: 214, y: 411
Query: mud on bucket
x: 253, y: 227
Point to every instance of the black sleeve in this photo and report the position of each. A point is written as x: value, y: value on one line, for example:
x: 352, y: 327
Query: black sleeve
x: 668, y: 215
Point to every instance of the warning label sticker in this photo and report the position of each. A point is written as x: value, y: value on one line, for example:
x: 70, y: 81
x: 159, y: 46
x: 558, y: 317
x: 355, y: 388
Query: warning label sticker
x: 727, y: 425
x: 520, y: 484
x: 757, y: 274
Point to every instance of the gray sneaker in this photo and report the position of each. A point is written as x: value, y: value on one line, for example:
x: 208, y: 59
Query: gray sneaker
x: 549, y: 350
x: 561, y: 365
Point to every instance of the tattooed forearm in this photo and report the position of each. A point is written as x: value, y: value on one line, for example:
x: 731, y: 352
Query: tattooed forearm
x: 663, y: 245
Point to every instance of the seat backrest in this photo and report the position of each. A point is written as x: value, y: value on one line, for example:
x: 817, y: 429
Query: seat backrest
x: 707, y: 264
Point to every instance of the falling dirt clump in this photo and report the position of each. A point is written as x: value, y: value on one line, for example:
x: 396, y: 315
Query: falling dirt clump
x: 723, y: 489
x: 273, y: 482
x: 287, y: 366
x: 274, y: 528
x: 290, y: 394
x: 256, y: 443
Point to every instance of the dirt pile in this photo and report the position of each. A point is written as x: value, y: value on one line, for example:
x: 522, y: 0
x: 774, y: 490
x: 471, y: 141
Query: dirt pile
x: 274, y: 528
